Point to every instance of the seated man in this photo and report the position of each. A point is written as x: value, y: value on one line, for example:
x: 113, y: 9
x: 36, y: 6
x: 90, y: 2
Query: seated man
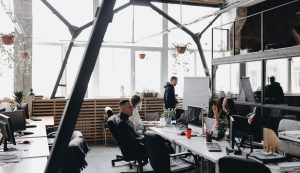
x: 131, y: 141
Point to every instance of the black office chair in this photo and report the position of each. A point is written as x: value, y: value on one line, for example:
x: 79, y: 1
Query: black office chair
x: 127, y: 155
x: 160, y: 158
x: 77, y: 150
x: 234, y: 164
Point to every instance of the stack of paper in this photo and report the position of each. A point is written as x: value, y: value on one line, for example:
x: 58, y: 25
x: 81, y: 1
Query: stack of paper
x: 287, y: 167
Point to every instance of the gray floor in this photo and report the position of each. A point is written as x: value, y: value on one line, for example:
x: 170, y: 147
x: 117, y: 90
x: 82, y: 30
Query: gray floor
x: 99, y: 161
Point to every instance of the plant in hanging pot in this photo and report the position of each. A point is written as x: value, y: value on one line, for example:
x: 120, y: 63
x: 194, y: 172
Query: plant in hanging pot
x: 167, y: 115
x: 8, y: 39
x: 24, y: 54
x: 142, y: 55
x: 181, y: 48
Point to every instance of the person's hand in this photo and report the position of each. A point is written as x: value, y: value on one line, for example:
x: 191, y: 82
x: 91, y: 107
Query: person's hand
x: 250, y: 119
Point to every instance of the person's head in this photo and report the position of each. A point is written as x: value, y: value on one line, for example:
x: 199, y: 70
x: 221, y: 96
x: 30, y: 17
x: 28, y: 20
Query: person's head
x: 173, y: 80
x: 126, y: 107
x: 136, y: 101
x: 229, y: 106
x: 272, y: 79
x: 219, y: 103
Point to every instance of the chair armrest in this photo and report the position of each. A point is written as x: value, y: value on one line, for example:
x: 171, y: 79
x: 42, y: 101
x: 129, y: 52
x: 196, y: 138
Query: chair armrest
x: 181, y: 154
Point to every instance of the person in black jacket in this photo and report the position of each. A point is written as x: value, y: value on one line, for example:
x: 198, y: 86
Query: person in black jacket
x: 273, y: 92
x: 169, y: 95
x: 131, y: 141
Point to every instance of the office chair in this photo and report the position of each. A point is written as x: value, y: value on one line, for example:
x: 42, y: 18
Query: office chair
x: 127, y: 156
x: 160, y: 158
x: 234, y: 164
x: 75, y: 159
x: 107, y: 114
x: 288, y: 125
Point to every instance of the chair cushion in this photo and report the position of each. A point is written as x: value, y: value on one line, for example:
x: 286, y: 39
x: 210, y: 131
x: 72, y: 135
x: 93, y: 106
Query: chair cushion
x: 178, y: 164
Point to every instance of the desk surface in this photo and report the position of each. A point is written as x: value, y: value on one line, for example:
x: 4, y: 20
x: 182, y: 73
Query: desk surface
x: 168, y: 132
x: 46, y: 120
x: 198, y: 146
x: 38, y: 147
x: 30, y: 165
x: 38, y: 131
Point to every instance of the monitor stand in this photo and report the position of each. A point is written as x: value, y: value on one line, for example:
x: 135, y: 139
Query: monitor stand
x: 4, y: 141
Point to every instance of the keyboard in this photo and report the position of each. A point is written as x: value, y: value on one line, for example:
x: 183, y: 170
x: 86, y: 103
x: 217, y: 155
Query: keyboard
x: 213, y: 147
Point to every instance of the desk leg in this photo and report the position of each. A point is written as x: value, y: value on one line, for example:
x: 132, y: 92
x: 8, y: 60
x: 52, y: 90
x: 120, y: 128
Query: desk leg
x: 217, y: 168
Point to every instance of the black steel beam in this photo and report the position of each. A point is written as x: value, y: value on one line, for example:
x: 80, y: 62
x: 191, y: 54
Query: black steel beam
x: 210, y: 23
x: 62, y: 68
x: 190, y: 33
x: 71, y: 28
x: 193, y: 3
x: 73, y: 105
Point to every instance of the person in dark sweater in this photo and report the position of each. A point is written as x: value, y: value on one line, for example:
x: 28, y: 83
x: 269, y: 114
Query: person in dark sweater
x: 131, y: 141
x: 273, y: 92
x: 169, y: 95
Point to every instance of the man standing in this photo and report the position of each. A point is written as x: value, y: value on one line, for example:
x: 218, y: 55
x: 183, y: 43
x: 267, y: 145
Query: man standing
x: 274, y: 93
x: 169, y: 95
x: 131, y: 142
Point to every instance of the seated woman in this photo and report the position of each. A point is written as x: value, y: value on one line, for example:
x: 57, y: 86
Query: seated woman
x: 229, y: 108
x: 136, y: 103
x: 217, y: 108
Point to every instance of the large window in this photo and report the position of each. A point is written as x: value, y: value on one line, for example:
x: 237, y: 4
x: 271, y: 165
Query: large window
x: 253, y: 71
x: 278, y: 69
x: 227, y: 78
x: 114, y: 72
x: 295, y: 75
x: 6, y: 69
x: 147, y: 73
x: 46, y: 65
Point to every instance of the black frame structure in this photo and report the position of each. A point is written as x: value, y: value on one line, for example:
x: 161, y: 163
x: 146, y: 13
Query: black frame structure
x: 262, y: 56
x: 103, y: 17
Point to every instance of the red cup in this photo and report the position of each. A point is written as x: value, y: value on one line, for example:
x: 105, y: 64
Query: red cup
x: 188, y: 133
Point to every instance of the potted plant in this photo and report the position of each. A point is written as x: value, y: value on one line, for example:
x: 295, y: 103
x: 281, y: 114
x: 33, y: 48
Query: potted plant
x: 167, y: 115
x: 142, y: 55
x: 221, y: 128
x: 19, y: 97
x: 8, y: 39
x: 181, y: 48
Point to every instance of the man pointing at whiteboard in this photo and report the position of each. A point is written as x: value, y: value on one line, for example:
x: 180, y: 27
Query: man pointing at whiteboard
x: 169, y: 95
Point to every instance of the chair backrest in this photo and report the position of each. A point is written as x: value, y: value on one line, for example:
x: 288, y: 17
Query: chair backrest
x: 127, y: 154
x: 157, y: 152
x: 234, y: 164
x: 288, y: 125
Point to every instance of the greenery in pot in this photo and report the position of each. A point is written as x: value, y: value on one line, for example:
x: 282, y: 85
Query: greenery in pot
x: 19, y: 97
x: 168, y: 113
x: 221, y: 127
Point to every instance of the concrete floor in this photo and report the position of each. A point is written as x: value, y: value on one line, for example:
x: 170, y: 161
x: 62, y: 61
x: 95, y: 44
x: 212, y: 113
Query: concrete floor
x: 99, y: 161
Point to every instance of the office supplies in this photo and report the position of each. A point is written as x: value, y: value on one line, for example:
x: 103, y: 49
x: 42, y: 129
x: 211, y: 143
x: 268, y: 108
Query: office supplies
x: 213, y: 147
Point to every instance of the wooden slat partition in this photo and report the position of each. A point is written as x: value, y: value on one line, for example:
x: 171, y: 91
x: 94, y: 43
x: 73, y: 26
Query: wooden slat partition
x: 91, y: 118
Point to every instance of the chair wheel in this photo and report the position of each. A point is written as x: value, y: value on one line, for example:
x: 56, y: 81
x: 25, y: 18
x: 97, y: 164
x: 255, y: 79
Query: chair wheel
x: 113, y: 163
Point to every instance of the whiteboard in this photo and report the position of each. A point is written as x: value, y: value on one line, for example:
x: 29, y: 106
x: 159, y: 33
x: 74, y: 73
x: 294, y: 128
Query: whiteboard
x: 196, y: 92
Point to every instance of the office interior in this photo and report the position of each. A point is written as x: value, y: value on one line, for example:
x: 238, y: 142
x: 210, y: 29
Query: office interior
x: 65, y: 67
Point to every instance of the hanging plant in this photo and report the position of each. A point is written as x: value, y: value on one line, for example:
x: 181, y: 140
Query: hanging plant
x: 8, y: 39
x: 181, y: 48
x: 24, y: 54
x: 142, y: 55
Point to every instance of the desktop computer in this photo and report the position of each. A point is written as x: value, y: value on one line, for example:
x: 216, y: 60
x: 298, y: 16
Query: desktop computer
x: 7, y: 132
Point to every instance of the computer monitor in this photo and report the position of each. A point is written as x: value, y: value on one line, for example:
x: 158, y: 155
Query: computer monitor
x: 24, y: 106
x: 7, y: 132
x: 18, y: 120
x: 191, y: 116
x: 239, y: 128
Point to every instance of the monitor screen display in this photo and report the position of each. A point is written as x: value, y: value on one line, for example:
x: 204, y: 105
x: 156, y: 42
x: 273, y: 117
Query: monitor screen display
x: 18, y: 120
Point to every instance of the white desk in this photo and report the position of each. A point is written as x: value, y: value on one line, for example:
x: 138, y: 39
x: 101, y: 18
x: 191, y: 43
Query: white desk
x: 168, y: 132
x: 198, y: 146
x: 38, y: 131
x: 38, y: 147
x: 30, y: 165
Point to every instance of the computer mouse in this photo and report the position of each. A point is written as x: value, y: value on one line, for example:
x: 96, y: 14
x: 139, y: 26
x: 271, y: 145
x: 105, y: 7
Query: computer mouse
x: 26, y: 142
x: 182, y: 133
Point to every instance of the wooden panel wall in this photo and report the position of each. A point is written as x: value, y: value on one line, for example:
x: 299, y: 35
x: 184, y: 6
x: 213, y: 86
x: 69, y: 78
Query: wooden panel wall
x: 91, y: 117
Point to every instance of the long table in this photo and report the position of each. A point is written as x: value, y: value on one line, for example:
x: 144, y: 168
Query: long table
x: 198, y: 145
x: 32, y: 155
